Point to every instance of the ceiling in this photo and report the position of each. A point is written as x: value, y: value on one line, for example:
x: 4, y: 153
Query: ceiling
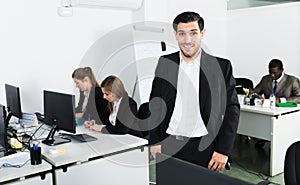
x: 238, y: 4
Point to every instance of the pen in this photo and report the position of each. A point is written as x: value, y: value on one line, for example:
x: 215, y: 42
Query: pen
x: 89, y: 119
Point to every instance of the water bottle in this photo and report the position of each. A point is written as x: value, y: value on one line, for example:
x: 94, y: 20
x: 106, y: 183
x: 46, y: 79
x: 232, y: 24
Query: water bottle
x: 272, y: 101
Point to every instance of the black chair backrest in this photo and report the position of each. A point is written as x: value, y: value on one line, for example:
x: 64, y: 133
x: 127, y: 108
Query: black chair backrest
x: 292, y: 164
x: 243, y: 83
x: 144, y: 113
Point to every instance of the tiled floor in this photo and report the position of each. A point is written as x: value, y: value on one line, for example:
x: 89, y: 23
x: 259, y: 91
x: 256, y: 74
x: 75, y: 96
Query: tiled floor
x: 248, y: 163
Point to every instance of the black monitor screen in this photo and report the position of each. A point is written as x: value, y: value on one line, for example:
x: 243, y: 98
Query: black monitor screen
x: 13, y: 100
x: 3, y: 136
x: 59, y: 110
x: 170, y: 170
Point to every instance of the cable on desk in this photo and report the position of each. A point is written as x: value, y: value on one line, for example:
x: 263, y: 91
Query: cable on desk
x: 8, y: 165
x: 27, y: 144
x: 30, y: 138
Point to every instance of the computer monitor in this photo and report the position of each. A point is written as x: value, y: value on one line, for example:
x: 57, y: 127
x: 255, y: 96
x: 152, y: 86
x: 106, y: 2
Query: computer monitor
x: 170, y: 170
x: 13, y: 101
x: 3, y: 131
x: 59, y: 111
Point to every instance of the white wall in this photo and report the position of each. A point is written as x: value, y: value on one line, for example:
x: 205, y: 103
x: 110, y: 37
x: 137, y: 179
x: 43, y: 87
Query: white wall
x: 40, y: 50
x: 256, y: 35
x: 160, y: 14
x: 237, y: 4
x: 213, y: 11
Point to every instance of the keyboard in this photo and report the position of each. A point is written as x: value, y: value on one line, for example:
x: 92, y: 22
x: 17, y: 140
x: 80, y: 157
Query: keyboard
x: 81, y: 137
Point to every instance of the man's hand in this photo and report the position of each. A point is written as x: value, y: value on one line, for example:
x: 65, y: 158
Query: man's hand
x: 217, y: 162
x: 154, y: 149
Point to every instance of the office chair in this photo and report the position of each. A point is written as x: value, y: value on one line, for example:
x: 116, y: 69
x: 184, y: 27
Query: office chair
x: 247, y: 83
x: 144, y: 113
x: 243, y: 83
x: 240, y: 84
x: 292, y: 164
x: 140, y: 128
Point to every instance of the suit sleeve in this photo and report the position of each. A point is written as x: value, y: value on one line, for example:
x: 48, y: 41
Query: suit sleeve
x: 78, y: 109
x: 226, y: 136
x: 295, y: 92
x: 261, y: 87
x: 155, y: 134
x: 257, y: 89
x: 124, y: 118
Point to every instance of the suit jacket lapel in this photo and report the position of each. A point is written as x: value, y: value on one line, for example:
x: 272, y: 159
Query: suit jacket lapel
x: 173, y: 70
x: 270, y: 85
x: 202, y: 81
x: 281, y: 83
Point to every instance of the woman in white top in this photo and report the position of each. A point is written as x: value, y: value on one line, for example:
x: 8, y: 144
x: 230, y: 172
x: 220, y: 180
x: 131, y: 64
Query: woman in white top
x: 122, y: 108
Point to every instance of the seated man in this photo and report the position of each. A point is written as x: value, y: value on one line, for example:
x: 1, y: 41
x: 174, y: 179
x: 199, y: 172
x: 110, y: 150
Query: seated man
x: 285, y: 87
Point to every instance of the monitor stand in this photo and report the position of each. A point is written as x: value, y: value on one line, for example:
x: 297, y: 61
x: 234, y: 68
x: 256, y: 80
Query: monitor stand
x: 56, y: 141
x: 51, y: 140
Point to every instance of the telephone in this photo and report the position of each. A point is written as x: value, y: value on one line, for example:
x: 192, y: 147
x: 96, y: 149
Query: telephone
x: 15, y: 144
x: 40, y: 117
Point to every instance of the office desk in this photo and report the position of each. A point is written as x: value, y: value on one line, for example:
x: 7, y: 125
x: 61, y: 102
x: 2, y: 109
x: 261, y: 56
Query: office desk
x: 28, y: 174
x: 112, y: 159
x: 280, y: 126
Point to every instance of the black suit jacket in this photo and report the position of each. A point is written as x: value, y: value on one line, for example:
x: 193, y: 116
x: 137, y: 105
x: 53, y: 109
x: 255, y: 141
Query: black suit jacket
x: 125, y: 117
x: 96, y: 106
x: 217, y: 96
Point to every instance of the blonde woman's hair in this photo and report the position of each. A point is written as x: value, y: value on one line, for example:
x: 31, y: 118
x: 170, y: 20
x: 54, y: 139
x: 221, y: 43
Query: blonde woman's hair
x: 82, y: 72
x: 114, y: 85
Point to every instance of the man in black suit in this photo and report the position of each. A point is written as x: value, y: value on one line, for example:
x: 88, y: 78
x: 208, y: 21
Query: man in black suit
x: 193, y: 103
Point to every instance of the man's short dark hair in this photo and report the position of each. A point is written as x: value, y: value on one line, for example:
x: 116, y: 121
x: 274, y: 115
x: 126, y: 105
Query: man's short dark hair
x: 187, y: 17
x: 275, y: 63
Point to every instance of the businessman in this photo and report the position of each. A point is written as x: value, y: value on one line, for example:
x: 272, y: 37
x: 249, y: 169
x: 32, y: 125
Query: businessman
x: 285, y: 87
x: 193, y: 102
